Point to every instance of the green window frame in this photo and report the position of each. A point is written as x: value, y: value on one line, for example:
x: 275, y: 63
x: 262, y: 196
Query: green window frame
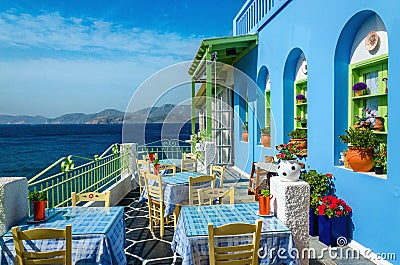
x: 300, y: 109
x: 358, y: 73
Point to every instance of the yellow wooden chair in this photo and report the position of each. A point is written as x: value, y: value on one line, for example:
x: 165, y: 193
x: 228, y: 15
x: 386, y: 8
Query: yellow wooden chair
x: 155, y: 201
x: 199, y: 183
x: 91, y: 196
x: 208, y: 195
x: 168, y: 167
x: 219, y: 171
x: 188, y: 162
x: 238, y: 254
x: 46, y: 257
x: 142, y: 167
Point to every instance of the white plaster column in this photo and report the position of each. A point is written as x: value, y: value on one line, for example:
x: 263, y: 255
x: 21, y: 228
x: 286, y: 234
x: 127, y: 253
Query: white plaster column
x: 13, y: 201
x: 131, y: 149
x: 209, y: 156
x: 291, y: 206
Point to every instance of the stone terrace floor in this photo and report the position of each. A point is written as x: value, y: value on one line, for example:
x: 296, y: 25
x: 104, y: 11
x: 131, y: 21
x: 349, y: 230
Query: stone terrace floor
x: 143, y: 247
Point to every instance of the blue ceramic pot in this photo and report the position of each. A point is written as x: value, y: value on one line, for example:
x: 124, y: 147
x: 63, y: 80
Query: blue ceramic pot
x: 313, y: 223
x: 330, y: 229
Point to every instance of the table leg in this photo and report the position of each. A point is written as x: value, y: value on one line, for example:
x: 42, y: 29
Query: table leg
x: 177, y: 210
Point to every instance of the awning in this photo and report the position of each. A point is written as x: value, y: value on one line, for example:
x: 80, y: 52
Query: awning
x: 228, y: 50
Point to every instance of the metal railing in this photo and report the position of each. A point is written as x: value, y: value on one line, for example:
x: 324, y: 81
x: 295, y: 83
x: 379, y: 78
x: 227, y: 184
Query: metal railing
x: 166, y: 148
x: 256, y: 13
x: 98, y: 174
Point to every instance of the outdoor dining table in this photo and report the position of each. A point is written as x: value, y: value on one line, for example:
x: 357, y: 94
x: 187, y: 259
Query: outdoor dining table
x: 170, y: 161
x: 175, y: 189
x: 98, y: 235
x: 190, y: 239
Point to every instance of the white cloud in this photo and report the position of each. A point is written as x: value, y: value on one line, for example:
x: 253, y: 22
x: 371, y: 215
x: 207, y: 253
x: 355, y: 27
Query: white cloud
x: 89, y: 35
x: 75, y: 64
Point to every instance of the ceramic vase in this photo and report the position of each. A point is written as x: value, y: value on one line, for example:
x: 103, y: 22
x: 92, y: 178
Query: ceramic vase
x: 289, y: 170
x: 39, y: 210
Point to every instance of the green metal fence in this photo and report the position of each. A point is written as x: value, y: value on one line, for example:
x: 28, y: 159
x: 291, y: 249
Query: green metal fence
x: 96, y: 175
x: 166, y: 148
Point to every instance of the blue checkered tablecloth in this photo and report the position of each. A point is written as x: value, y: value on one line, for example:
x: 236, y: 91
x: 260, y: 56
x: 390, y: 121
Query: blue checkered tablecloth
x: 176, y: 189
x: 170, y: 161
x: 98, y: 235
x: 190, y: 239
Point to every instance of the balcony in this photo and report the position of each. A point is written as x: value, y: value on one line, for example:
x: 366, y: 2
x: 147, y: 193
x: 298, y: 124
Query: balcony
x: 256, y: 13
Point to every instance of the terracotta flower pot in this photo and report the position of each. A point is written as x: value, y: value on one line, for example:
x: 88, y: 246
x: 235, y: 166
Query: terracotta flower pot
x: 245, y: 136
x: 266, y: 140
x: 39, y: 210
x: 264, y: 205
x: 359, y: 93
x: 301, y: 143
x: 378, y: 126
x: 156, y: 169
x: 360, y: 159
x: 299, y: 101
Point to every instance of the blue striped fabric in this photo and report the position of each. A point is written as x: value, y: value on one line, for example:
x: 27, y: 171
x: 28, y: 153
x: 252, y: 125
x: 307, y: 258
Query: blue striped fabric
x: 191, y: 241
x: 98, y: 235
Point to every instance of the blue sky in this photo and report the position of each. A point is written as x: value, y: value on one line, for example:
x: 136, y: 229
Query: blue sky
x: 64, y: 56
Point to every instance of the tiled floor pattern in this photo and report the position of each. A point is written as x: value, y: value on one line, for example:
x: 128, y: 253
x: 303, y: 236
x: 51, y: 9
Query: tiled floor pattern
x: 143, y: 247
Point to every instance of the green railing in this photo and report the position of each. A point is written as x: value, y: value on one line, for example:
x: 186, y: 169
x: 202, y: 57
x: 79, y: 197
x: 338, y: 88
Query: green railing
x: 166, y: 148
x: 98, y: 174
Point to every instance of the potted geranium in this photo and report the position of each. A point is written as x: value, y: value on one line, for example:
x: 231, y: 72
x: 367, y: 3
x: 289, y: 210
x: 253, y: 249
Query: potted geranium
x: 245, y: 133
x: 320, y: 185
x: 156, y: 165
x: 359, y: 88
x: 299, y: 137
x: 380, y: 158
x: 332, y: 219
x: 39, y: 199
x: 266, y: 136
x: 288, y: 168
x: 300, y: 98
x: 264, y: 202
x: 361, y: 148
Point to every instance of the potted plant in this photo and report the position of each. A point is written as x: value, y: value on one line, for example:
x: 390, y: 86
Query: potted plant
x: 264, y: 202
x: 245, y: 133
x: 151, y: 156
x: 361, y: 148
x: 288, y: 168
x: 39, y: 199
x: 156, y: 165
x: 359, y: 88
x: 380, y: 158
x: 332, y: 219
x: 303, y: 122
x: 364, y: 120
x: 299, y: 137
x: 320, y: 185
x: 266, y: 136
x: 300, y: 98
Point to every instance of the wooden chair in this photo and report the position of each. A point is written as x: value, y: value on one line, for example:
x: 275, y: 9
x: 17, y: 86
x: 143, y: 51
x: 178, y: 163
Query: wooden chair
x: 219, y: 171
x: 46, y: 257
x: 188, y: 162
x: 91, y: 196
x: 142, y: 167
x: 207, y: 196
x: 168, y: 167
x: 155, y: 201
x: 199, y: 183
x: 238, y: 254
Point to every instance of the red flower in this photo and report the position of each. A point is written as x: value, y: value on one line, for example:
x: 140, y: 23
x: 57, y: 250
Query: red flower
x: 329, y: 175
x: 339, y: 213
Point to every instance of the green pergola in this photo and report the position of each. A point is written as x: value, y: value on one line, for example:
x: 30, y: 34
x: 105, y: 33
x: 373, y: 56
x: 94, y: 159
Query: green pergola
x: 226, y: 50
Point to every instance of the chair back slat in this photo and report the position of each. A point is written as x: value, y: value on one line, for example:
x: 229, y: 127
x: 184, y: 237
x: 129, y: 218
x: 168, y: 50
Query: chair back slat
x: 238, y: 254
x: 207, y: 196
x: 91, y: 196
x: 168, y: 167
x: 44, y: 257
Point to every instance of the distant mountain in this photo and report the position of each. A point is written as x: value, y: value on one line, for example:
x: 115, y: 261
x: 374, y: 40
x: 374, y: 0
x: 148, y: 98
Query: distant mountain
x: 165, y: 113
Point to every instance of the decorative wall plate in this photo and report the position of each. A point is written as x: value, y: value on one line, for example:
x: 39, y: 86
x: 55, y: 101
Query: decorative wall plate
x: 304, y: 66
x: 371, y: 41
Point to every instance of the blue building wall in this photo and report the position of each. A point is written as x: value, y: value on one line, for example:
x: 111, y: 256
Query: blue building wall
x: 324, y: 32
